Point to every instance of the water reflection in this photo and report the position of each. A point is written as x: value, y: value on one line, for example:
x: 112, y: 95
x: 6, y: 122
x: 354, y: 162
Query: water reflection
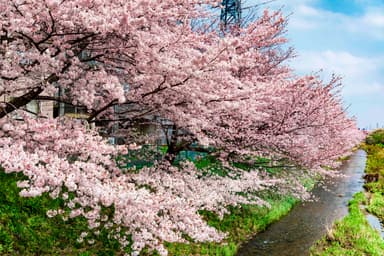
x: 375, y: 223
x: 307, y: 222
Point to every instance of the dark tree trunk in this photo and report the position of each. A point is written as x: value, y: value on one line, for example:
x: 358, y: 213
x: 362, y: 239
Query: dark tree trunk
x: 173, y: 150
x: 20, y: 101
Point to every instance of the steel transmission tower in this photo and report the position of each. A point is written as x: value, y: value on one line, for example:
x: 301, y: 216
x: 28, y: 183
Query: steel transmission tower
x: 230, y: 16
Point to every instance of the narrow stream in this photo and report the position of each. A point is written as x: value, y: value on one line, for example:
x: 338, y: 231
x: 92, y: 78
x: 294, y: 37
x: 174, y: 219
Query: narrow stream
x: 294, y: 234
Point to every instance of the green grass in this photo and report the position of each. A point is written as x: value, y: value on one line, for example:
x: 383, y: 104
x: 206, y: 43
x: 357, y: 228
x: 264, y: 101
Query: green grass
x: 353, y: 235
x: 376, y: 205
x: 375, y: 165
x: 240, y: 224
x: 26, y: 230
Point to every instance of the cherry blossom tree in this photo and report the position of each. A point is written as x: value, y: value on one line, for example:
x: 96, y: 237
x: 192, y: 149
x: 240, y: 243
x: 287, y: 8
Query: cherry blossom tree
x: 299, y: 119
x: 232, y: 93
x: 243, y: 99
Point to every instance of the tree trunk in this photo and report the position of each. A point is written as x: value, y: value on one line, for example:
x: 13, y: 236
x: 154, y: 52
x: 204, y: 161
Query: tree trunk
x: 172, y: 150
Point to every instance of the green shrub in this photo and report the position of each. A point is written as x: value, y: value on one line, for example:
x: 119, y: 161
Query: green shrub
x: 376, y: 137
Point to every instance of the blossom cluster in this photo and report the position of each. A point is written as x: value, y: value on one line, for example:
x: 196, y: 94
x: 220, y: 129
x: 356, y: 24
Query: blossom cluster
x: 233, y: 93
x: 157, y: 204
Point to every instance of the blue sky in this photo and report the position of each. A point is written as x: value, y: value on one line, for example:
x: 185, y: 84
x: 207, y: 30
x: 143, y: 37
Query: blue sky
x: 345, y: 37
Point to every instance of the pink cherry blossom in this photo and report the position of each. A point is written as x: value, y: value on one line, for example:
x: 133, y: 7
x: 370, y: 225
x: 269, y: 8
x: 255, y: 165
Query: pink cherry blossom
x: 234, y: 93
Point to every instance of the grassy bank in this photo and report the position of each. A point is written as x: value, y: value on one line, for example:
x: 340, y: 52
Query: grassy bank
x: 240, y: 225
x: 25, y: 228
x: 353, y: 235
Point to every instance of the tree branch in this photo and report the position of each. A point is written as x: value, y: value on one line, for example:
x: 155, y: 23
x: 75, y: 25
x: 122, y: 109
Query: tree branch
x: 18, y: 102
x: 60, y: 100
x: 24, y: 99
x: 97, y: 112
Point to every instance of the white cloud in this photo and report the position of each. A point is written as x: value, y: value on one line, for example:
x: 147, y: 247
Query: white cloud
x: 351, y: 46
x: 306, y: 10
x: 340, y: 62
x: 362, y: 79
x: 306, y: 17
x: 300, y: 19
x: 360, y: 75
x: 374, y: 19
x: 370, y: 25
x: 300, y: 25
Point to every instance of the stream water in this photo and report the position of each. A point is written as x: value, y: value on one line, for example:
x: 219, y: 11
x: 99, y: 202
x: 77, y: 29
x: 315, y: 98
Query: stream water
x: 294, y: 234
